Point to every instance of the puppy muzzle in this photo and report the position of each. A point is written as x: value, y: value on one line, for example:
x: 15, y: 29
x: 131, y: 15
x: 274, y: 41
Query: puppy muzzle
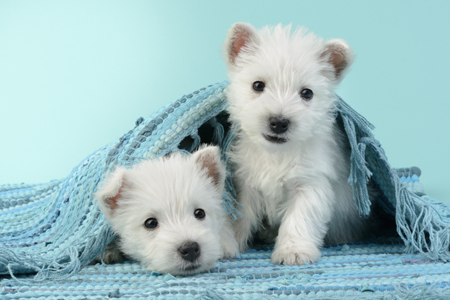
x: 189, y: 251
x: 278, y: 126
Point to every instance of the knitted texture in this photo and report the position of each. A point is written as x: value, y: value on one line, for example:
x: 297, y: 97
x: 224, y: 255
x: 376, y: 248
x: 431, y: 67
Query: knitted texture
x: 374, y: 269
x: 55, y: 229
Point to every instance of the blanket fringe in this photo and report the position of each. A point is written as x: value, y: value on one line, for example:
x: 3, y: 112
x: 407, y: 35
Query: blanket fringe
x: 359, y: 172
x: 420, y: 226
x: 63, y: 266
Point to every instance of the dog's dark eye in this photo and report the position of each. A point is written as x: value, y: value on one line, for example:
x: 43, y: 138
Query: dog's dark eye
x: 306, y: 94
x: 258, y: 86
x: 151, y: 223
x: 199, y: 213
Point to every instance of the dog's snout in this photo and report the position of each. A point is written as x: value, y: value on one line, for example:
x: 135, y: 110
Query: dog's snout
x: 278, y: 125
x: 190, y: 251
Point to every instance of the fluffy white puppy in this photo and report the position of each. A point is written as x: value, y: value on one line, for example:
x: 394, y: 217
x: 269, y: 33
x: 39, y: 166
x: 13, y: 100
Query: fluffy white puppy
x: 168, y: 212
x: 291, y: 162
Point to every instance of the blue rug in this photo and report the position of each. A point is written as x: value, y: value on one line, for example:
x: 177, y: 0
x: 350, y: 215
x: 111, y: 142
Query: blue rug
x: 50, y: 232
x: 374, y: 269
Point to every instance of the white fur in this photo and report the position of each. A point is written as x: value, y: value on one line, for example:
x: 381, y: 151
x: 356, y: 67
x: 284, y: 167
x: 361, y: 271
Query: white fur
x: 170, y: 189
x: 301, y: 185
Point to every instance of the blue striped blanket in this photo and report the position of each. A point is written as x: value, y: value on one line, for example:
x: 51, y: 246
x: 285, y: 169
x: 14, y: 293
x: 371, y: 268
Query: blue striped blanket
x: 51, y: 231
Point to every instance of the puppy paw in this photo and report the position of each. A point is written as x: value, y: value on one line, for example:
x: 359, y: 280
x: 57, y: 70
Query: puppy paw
x: 242, y: 244
x: 229, y: 244
x: 242, y: 238
x: 230, y: 250
x: 111, y: 255
x: 296, y: 254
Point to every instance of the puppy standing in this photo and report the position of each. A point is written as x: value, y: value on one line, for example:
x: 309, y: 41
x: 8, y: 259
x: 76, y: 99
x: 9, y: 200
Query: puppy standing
x: 168, y: 212
x: 291, y: 162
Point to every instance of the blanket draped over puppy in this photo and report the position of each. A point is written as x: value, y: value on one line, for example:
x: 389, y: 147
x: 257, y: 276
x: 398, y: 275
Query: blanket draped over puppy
x: 54, y: 229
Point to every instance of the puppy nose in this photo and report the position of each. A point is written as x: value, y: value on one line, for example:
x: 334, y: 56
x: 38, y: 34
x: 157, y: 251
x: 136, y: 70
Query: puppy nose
x: 190, y: 251
x: 278, y: 125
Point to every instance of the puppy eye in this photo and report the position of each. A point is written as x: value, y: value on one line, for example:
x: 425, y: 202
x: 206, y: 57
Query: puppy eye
x: 151, y: 223
x: 258, y: 86
x: 199, y: 214
x: 306, y: 94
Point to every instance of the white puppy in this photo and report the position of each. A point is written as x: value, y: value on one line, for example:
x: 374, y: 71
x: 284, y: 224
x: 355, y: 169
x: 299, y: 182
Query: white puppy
x: 291, y: 162
x: 168, y: 212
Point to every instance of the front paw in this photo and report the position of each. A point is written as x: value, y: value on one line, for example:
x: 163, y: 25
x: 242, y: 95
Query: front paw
x: 111, y: 255
x: 230, y: 249
x: 242, y: 233
x: 296, y: 254
x: 242, y: 241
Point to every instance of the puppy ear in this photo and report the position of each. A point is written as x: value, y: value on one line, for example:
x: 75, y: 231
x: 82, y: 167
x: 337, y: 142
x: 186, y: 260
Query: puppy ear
x: 340, y: 56
x: 240, y: 36
x: 208, y: 158
x: 110, y: 191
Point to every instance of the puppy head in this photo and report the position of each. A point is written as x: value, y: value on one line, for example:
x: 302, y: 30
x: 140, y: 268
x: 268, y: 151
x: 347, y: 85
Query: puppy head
x: 281, y: 84
x: 168, y: 211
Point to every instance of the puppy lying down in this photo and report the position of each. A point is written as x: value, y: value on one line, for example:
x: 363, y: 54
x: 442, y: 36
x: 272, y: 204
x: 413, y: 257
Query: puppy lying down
x: 168, y: 213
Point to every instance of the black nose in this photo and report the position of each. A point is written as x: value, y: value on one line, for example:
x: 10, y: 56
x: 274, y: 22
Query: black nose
x: 190, y: 251
x: 278, y: 125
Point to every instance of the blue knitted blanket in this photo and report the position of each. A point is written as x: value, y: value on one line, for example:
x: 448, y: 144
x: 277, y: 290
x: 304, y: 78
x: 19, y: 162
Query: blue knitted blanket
x: 53, y: 230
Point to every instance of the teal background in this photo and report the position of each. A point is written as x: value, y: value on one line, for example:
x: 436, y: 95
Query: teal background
x: 75, y: 75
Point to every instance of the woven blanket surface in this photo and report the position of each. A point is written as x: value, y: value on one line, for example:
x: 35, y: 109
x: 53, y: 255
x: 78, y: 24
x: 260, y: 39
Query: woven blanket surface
x: 53, y: 230
x: 376, y: 269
